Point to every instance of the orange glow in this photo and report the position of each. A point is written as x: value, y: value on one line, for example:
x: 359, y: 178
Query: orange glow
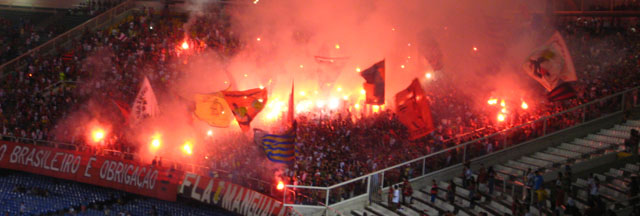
x: 187, y: 148
x: 156, y: 141
x: 357, y: 106
x: 301, y: 66
x: 337, y: 46
x: 500, y: 117
x: 401, y: 66
x: 97, y: 135
x: 185, y: 45
x: 428, y: 75
x: 503, y: 110
x: 475, y: 49
x: 502, y: 104
x: 334, y: 103
x: 492, y: 101
x: 375, y: 108
x: 362, y: 91
x: 339, y: 89
x: 302, y: 93
x: 280, y: 185
x: 258, y: 39
x: 524, y: 105
x: 358, y: 69
x: 209, y: 133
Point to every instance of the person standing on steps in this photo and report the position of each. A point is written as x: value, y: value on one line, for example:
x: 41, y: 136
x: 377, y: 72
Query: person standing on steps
x: 434, y: 191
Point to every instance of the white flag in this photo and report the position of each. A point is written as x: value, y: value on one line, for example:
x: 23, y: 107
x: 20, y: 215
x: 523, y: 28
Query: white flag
x: 551, y: 64
x: 145, y: 104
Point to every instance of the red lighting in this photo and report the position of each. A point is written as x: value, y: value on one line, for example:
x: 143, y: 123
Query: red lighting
x: 97, y: 135
x: 280, y: 185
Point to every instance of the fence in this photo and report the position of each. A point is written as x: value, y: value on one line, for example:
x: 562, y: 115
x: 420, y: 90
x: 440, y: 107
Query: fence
x: 324, y: 198
x: 64, y: 39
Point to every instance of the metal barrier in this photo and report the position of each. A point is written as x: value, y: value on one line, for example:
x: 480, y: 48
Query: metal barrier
x: 63, y: 39
x: 309, y: 196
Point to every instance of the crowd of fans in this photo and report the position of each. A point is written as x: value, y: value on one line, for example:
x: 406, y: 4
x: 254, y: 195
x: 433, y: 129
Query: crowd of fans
x: 21, y: 34
x: 93, y: 7
x: 107, y: 65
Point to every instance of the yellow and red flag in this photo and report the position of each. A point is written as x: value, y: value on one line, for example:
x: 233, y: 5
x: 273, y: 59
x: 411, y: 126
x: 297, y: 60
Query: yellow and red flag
x: 213, y: 109
x: 245, y: 105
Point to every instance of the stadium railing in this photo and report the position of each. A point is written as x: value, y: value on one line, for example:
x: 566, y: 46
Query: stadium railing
x: 310, y: 198
x: 64, y: 39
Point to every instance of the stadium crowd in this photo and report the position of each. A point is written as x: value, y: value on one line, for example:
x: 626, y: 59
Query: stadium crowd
x: 25, y: 32
x: 107, y: 65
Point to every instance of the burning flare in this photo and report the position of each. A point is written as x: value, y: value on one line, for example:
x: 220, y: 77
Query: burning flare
x: 187, y: 148
x: 97, y: 135
x: 280, y: 185
x: 524, y: 105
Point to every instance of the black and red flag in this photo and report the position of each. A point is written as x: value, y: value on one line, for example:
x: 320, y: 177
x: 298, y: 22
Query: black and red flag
x: 374, y: 85
x: 412, y: 108
x: 564, y: 91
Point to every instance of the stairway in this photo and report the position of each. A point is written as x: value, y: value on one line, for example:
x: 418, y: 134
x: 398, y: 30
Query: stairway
x: 613, y: 187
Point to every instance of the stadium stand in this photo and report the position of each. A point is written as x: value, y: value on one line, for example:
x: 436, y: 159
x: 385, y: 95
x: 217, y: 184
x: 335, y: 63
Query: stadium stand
x: 351, y: 161
x: 611, y: 187
x: 49, y: 196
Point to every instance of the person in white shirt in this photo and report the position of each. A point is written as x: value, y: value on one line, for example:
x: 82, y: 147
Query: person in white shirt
x: 396, y: 196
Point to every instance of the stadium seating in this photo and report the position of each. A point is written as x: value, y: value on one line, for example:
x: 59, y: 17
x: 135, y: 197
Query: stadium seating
x: 613, y: 185
x: 18, y: 187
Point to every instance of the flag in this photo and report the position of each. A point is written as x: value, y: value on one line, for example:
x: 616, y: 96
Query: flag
x: 412, y: 108
x: 290, y: 112
x: 213, y: 109
x: 279, y: 148
x: 551, y: 64
x: 245, y: 105
x: 374, y: 85
x: 145, y: 104
x: 562, y: 92
x: 123, y: 107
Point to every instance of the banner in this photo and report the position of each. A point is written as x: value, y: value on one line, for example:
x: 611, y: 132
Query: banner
x: 229, y: 196
x: 280, y: 148
x: 213, y: 109
x: 551, y: 64
x: 145, y: 104
x: 412, y: 108
x: 374, y: 85
x: 245, y: 105
x: 105, y: 171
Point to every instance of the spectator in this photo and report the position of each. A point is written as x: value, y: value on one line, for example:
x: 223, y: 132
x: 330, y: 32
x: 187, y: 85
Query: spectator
x: 396, y: 198
x: 407, y: 191
x: 434, y: 191
x: 491, y: 179
x: 451, y: 191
